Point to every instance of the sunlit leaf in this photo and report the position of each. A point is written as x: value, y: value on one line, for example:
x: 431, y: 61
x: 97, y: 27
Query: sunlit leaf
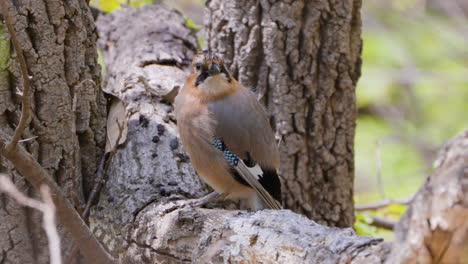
x: 190, y: 24
x: 108, y: 5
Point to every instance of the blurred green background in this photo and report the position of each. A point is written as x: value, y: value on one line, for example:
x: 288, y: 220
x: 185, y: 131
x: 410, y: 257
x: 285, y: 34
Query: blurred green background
x: 412, y: 95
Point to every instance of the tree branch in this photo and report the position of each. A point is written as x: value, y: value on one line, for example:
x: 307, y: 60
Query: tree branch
x: 26, y: 104
x: 69, y: 218
x: 150, y: 171
x: 384, y: 223
x: 48, y: 211
x: 101, y: 173
x: 383, y: 203
x: 33, y: 171
x: 148, y: 225
x: 434, y: 228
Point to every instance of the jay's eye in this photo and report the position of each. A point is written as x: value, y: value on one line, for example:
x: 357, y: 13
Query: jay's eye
x: 198, y: 66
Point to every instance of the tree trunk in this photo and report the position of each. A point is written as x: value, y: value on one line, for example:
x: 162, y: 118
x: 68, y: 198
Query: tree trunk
x: 303, y: 60
x: 58, y: 41
x: 151, y: 166
x: 137, y: 217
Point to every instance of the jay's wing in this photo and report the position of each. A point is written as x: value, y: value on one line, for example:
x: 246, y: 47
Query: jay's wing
x: 243, y: 131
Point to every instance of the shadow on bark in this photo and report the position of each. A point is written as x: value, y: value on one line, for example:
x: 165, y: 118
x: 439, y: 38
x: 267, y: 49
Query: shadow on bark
x: 147, y: 52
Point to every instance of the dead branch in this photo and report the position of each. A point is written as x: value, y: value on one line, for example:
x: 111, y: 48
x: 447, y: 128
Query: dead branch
x: 26, y: 104
x: 384, y: 223
x: 137, y: 216
x: 49, y: 226
x: 36, y: 175
x: 378, y: 156
x: 27, y: 139
x: 67, y: 215
x: 383, y: 203
x: 101, y: 173
x: 33, y: 171
x: 47, y: 208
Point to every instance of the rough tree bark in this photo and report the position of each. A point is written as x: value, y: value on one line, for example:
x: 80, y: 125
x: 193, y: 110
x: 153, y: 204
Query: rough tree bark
x: 434, y: 229
x: 58, y: 41
x: 147, y: 52
x: 139, y: 219
x: 303, y: 60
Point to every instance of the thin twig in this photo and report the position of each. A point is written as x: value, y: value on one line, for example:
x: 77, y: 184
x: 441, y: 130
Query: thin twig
x: 36, y: 175
x: 100, y: 179
x: 9, y: 188
x: 77, y: 92
x: 97, y: 186
x: 383, y: 203
x: 25, y: 164
x: 48, y: 211
x: 27, y: 139
x: 26, y: 104
x: 50, y: 226
x: 378, y: 156
x: 384, y: 223
x: 101, y: 173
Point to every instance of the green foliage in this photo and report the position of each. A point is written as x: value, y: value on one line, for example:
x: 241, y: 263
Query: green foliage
x: 363, y: 224
x: 190, y: 24
x: 111, y: 5
x: 4, y: 49
x: 4, y: 55
x: 195, y: 27
x: 401, y: 164
x: 101, y: 62
x: 414, y: 71
x: 201, y: 43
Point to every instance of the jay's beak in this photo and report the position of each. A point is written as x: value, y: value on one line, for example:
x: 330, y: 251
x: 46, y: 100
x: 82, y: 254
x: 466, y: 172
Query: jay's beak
x: 214, y: 69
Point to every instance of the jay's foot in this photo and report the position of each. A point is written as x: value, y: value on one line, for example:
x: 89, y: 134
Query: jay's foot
x: 199, y: 202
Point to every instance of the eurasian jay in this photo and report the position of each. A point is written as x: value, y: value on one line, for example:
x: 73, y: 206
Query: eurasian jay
x: 226, y: 133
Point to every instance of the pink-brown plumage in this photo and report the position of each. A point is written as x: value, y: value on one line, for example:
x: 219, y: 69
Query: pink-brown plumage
x: 213, y: 104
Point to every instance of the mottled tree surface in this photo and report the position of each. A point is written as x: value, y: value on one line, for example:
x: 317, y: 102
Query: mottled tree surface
x: 137, y: 217
x: 147, y: 52
x: 434, y: 229
x: 303, y: 60
x: 58, y: 41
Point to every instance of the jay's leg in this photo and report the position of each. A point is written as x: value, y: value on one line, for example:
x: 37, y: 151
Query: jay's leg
x: 211, y: 197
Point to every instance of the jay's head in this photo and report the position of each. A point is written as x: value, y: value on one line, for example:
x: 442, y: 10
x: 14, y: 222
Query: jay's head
x: 209, y: 70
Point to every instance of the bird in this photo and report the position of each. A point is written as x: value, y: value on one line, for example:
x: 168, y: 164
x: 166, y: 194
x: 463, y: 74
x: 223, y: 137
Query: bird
x: 227, y: 135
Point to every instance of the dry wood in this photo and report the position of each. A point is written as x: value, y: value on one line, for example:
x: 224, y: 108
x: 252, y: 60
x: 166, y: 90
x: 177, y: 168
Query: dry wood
x: 55, y: 43
x: 47, y: 208
x: 136, y: 216
x: 26, y: 104
x: 302, y: 58
x: 434, y: 229
x: 383, y: 203
x: 66, y: 213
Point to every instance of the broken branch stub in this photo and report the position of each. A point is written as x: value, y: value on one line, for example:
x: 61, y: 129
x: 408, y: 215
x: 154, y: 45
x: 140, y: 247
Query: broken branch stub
x: 434, y: 229
x: 136, y: 216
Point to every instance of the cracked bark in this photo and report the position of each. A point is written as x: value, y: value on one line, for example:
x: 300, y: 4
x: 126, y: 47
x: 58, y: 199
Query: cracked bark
x: 138, y: 217
x: 147, y: 52
x: 58, y: 41
x: 303, y: 60
x: 434, y: 228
